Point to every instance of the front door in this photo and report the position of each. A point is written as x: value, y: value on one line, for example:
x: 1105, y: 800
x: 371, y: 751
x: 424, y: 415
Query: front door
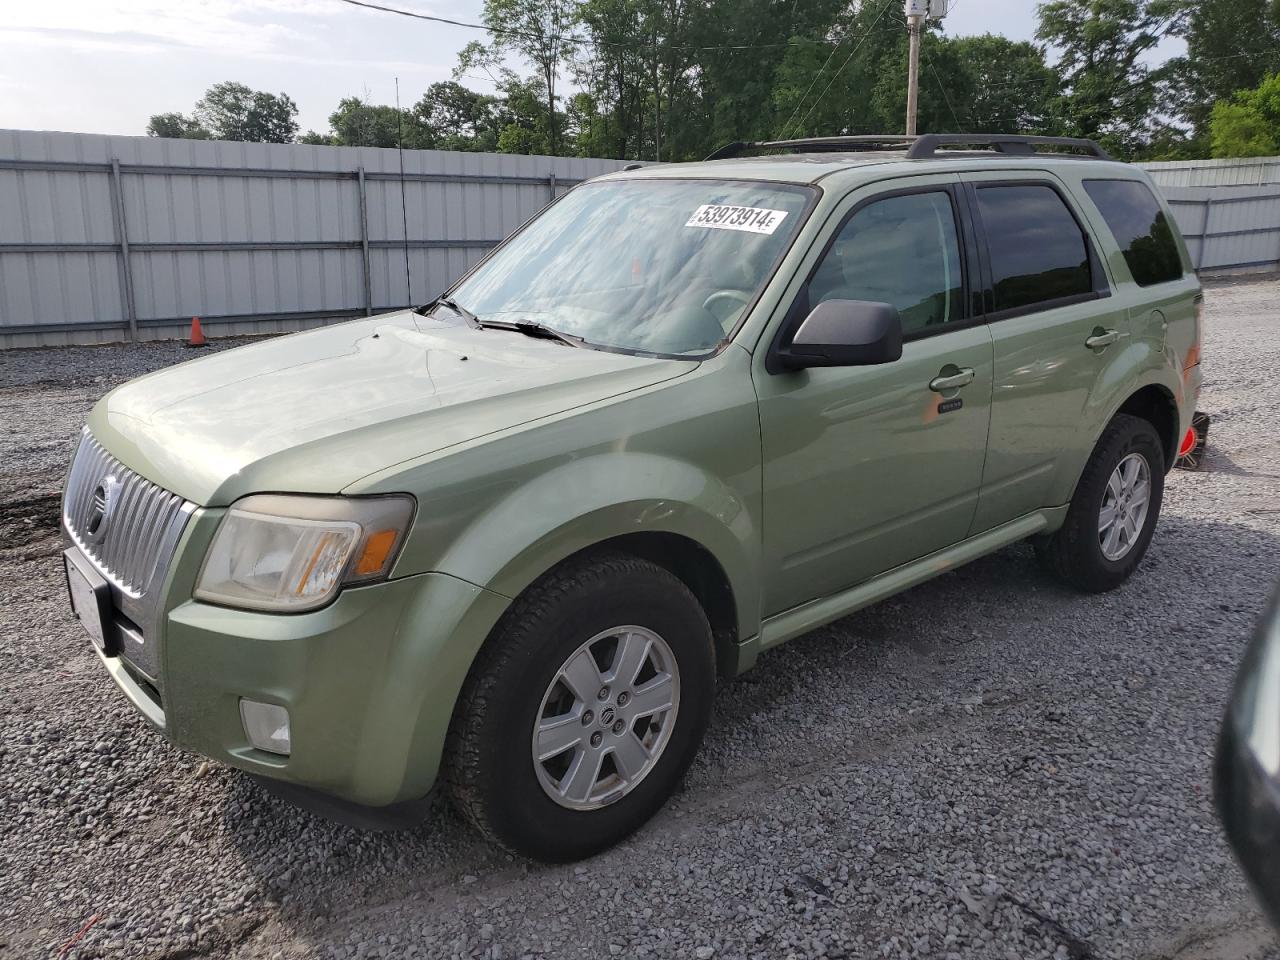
x: 867, y: 468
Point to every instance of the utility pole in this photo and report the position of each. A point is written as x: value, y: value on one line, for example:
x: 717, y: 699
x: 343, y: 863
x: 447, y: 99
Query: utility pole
x: 917, y: 12
x: 913, y: 71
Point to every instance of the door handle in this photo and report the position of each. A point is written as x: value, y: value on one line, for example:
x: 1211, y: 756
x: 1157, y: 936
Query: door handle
x: 1104, y: 338
x: 960, y: 378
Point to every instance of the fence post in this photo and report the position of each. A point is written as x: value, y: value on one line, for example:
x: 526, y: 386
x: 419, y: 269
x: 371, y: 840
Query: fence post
x: 551, y: 182
x: 364, y: 242
x: 122, y: 238
x: 1204, y: 233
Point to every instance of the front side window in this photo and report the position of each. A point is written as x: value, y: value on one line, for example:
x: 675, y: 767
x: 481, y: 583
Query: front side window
x: 656, y: 266
x: 1037, y: 250
x: 903, y: 251
x: 1141, y: 230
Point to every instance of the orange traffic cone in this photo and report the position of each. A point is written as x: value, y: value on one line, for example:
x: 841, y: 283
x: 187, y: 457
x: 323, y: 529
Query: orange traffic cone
x: 197, y: 335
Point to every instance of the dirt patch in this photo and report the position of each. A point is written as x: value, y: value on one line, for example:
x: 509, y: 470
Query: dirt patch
x: 29, y: 527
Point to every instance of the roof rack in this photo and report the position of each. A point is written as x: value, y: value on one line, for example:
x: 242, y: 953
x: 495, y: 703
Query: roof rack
x: 921, y: 147
x: 869, y: 142
x: 926, y: 145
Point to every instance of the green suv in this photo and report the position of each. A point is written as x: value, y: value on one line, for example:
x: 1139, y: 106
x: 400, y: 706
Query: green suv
x: 510, y: 542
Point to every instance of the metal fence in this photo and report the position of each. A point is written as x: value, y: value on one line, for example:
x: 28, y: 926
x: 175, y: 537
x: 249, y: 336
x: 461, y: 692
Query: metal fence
x: 1229, y: 230
x: 113, y: 238
x: 1249, y: 172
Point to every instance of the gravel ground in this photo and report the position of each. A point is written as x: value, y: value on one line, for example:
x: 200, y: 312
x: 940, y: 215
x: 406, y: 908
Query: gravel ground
x: 986, y: 766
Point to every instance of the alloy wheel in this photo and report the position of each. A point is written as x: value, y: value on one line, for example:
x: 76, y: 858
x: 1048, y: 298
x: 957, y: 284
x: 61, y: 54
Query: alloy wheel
x: 1124, y: 506
x: 606, y: 717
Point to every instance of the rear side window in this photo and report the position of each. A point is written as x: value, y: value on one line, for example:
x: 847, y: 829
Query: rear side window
x: 1142, y: 231
x: 1038, y: 252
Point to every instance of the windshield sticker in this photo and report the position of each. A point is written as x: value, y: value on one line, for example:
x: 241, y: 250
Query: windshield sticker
x: 716, y: 216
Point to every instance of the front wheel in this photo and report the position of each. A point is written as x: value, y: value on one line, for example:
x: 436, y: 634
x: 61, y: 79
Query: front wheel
x: 1114, y: 511
x: 584, y: 710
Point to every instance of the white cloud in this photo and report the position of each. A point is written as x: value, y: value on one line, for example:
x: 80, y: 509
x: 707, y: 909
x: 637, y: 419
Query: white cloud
x: 241, y: 27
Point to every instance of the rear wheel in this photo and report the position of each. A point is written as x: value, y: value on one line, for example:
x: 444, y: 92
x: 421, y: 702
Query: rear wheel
x: 1114, y: 511
x: 584, y: 709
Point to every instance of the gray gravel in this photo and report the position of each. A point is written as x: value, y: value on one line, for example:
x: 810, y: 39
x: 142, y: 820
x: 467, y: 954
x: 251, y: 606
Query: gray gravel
x: 987, y: 766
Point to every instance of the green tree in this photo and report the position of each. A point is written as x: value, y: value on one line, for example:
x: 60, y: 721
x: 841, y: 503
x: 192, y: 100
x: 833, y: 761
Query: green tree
x: 1110, y: 93
x: 860, y: 86
x: 1248, y: 125
x: 451, y: 117
x: 359, y: 123
x: 1010, y: 87
x: 176, y: 126
x: 614, y: 77
x: 722, y: 86
x: 845, y: 89
x: 233, y: 111
x: 538, y: 31
x: 1232, y: 45
x: 526, y: 127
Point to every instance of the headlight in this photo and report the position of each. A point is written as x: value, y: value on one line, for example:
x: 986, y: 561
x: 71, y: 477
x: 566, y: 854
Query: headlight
x: 292, y: 553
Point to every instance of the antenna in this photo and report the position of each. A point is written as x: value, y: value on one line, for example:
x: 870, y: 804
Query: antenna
x: 404, y: 211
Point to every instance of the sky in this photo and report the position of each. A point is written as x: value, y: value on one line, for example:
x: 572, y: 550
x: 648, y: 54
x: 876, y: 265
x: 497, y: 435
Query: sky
x: 105, y: 66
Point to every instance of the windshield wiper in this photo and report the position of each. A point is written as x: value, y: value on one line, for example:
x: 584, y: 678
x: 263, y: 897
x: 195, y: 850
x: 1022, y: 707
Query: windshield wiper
x: 531, y: 328
x: 472, y: 320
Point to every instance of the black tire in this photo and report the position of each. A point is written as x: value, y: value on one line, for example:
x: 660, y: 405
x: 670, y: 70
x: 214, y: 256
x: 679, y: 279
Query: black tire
x: 1074, y: 553
x: 489, y: 767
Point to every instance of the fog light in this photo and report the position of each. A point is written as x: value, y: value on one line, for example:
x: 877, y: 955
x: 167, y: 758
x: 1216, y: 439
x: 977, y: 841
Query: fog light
x: 266, y: 725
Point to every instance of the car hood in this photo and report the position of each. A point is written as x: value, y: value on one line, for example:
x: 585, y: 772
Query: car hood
x: 315, y: 412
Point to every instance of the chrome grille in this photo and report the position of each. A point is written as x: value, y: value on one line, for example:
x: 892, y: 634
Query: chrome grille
x: 125, y: 524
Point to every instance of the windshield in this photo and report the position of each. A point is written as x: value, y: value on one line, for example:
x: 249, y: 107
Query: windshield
x: 659, y: 266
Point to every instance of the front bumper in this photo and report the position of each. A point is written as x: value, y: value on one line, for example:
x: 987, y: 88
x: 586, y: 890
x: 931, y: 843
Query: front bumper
x: 369, y: 682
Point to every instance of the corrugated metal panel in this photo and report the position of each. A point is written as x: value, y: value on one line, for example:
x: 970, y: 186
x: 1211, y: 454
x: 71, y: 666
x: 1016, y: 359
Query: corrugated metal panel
x: 1229, y: 230
x: 278, y: 229
x: 258, y: 238
x: 1253, y: 171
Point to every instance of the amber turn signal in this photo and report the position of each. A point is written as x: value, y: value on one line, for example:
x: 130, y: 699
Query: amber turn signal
x: 377, y: 548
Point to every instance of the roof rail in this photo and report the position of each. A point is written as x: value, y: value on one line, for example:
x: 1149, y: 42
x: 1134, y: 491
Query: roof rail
x: 926, y: 145
x: 921, y: 147
x: 862, y: 142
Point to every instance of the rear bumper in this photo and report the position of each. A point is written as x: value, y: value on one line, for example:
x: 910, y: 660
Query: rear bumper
x: 369, y: 683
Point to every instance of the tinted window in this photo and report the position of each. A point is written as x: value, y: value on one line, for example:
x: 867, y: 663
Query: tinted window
x: 1037, y: 250
x: 900, y: 250
x: 1142, y: 233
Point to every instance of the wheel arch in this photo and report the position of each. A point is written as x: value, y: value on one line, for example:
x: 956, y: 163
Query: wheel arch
x: 667, y: 510
x: 698, y: 569
x: 1155, y: 404
x: 1151, y: 399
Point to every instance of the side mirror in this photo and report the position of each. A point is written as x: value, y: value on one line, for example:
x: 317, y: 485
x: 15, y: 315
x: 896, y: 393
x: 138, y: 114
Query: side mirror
x: 845, y: 333
x: 1247, y: 768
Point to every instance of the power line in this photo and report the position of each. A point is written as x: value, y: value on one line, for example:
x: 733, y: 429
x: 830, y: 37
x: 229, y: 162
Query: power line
x: 577, y: 38
x: 836, y: 75
x: 805, y: 95
x: 943, y: 90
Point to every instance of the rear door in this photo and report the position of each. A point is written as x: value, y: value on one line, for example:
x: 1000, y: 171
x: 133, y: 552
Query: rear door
x: 1056, y: 330
x: 1163, y: 297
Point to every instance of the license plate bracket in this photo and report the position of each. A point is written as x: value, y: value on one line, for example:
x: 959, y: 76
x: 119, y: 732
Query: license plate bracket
x: 90, y: 596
